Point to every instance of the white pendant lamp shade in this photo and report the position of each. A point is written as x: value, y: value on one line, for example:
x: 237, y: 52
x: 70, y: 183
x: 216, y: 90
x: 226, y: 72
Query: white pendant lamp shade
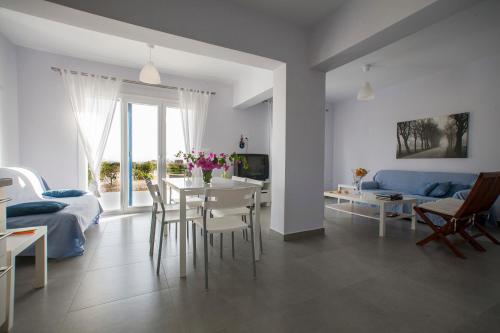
x: 149, y: 73
x: 366, y: 92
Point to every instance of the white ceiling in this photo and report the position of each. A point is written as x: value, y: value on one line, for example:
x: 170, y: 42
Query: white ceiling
x: 457, y: 41
x: 301, y: 12
x: 50, y: 36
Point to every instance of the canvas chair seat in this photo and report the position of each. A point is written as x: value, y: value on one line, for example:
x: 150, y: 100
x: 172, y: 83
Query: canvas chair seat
x: 447, y: 206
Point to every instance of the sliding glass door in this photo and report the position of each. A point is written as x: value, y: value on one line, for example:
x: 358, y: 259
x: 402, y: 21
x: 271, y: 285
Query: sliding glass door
x: 143, y: 152
x: 146, y: 134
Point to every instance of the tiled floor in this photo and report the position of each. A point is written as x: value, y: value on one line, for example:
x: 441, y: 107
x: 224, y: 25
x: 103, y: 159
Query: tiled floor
x: 347, y: 281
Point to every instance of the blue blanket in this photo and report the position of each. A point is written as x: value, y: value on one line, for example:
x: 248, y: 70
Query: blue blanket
x: 65, y: 237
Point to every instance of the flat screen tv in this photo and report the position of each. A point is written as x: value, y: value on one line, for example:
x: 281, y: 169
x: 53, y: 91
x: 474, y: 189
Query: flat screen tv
x: 258, y: 167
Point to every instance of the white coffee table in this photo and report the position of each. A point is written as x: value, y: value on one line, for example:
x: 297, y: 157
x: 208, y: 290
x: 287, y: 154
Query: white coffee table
x: 368, y: 206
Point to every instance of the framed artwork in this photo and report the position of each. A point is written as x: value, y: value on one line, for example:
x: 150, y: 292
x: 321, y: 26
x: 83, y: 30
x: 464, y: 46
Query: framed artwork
x: 437, y: 137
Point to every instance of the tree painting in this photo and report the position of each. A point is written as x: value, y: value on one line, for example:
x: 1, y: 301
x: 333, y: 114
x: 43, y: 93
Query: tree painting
x: 438, y: 137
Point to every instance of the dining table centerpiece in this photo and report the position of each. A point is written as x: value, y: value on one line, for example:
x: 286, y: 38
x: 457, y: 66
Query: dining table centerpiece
x: 208, y: 162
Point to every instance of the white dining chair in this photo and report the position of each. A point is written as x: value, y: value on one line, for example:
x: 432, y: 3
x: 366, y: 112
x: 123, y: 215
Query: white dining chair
x: 170, y: 213
x: 226, y: 198
x: 242, y: 211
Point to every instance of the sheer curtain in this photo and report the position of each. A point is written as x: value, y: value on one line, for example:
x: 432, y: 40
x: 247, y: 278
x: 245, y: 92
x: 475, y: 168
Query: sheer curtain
x: 194, y: 108
x: 93, y: 99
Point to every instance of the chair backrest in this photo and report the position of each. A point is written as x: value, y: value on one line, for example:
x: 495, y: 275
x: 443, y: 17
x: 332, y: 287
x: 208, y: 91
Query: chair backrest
x: 482, y: 196
x: 255, y: 182
x: 224, y: 198
x: 154, y: 190
x: 239, y: 179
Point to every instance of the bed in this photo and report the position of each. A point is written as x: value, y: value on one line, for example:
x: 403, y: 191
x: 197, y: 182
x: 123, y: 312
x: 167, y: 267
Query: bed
x: 65, y: 228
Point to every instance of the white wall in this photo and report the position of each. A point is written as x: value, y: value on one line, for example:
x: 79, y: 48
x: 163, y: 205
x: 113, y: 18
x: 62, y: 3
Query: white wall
x: 365, y: 132
x: 253, y: 88
x: 329, y: 144
x: 49, y: 140
x: 9, y: 136
x: 298, y: 91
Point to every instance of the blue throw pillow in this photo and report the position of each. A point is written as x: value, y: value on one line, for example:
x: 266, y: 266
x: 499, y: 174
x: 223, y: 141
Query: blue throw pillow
x: 454, y: 188
x: 63, y: 193
x: 426, y: 189
x: 440, y: 190
x: 35, y: 207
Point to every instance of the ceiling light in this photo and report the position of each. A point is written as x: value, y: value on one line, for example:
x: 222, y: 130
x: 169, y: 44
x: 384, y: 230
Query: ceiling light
x: 149, y: 73
x: 366, y: 92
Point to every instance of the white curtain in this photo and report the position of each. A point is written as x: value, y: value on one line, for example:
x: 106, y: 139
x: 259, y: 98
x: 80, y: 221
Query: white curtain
x: 93, y: 99
x: 194, y: 108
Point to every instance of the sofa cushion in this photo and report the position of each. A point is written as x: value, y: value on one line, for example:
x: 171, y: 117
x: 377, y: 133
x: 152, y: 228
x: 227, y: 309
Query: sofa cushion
x: 426, y: 189
x: 454, y: 188
x: 35, y: 207
x: 440, y: 190
x: 63, y: 193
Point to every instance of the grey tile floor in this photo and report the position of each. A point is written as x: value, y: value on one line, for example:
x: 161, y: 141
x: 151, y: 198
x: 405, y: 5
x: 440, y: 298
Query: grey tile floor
x: 350, y: 280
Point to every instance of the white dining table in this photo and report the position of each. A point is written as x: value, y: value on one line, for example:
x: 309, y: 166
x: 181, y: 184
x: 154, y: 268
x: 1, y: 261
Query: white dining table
x: 189, y: 186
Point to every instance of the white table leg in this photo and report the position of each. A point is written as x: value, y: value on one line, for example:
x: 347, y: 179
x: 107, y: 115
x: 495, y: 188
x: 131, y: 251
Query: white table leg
x: 41, y: 262
x: 413, y: 217
x: 11, y: 283
x: 381, y: 229
x: 257, y: 225
x: 182, y: 234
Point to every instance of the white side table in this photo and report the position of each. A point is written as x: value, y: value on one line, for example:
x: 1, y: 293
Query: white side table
x: 4, y: 277
x: 17, y: 244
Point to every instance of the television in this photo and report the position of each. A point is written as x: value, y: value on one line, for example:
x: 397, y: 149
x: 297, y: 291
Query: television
x: 258, y: 167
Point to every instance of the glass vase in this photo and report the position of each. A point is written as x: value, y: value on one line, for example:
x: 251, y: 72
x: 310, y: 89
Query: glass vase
x: 207, y: 176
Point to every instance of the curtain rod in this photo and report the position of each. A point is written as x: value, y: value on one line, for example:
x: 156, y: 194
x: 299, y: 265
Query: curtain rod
x: 57, y: 69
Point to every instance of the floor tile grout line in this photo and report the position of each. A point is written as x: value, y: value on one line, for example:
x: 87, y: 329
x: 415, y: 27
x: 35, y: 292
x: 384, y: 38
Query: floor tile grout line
x: 84, y: 275
x: 121, y: 299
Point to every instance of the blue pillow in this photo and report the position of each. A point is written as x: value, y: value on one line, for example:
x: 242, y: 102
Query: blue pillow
x: 454, y: 188
x: 63, y: 193
x: 426, y: 189
x: 35, y: 207
x: 440, y: 190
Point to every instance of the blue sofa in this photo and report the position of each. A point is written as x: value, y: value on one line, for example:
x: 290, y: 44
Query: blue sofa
x: 412, y: 182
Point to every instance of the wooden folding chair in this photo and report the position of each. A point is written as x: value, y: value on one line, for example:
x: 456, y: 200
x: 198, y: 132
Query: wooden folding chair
x: 462, y: 214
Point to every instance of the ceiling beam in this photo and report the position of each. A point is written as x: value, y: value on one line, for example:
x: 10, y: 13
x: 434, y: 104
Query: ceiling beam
x: 359, y: 27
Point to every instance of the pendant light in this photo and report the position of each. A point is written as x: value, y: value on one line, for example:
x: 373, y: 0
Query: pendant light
x: 149, y: 73
x: 366, y: 92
